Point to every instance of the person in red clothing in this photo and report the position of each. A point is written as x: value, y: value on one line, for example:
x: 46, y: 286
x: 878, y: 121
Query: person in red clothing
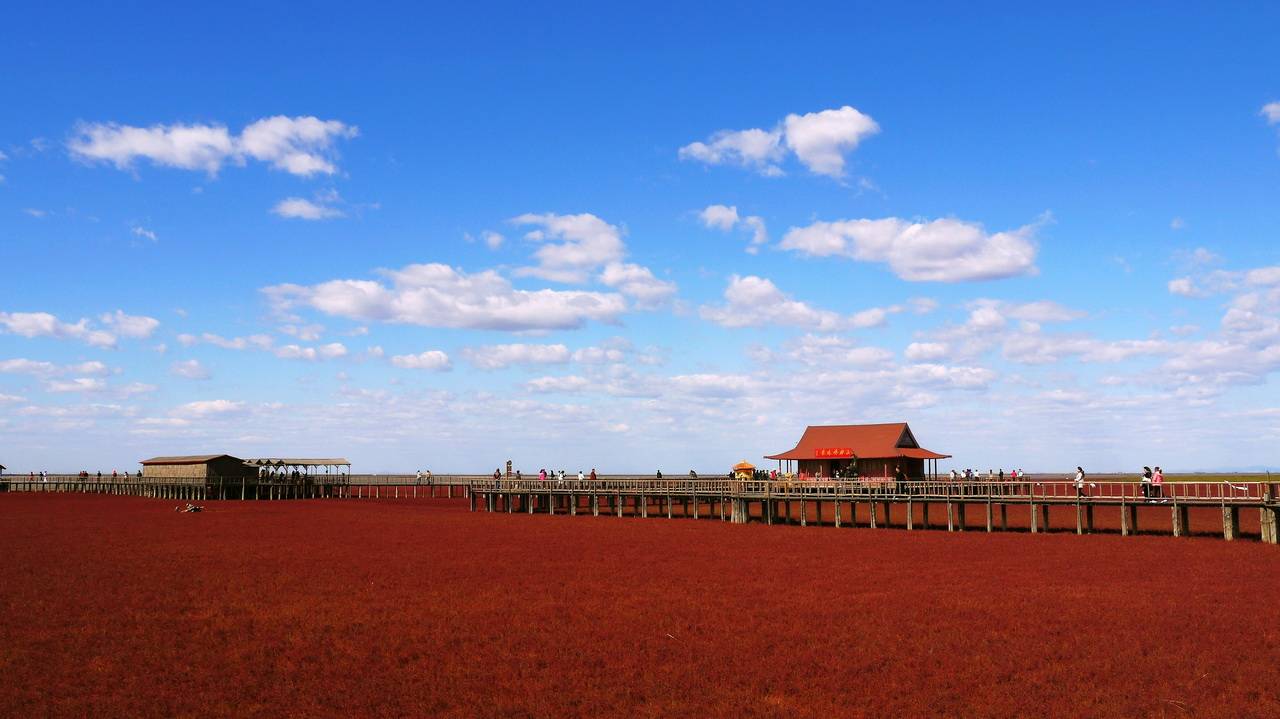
x: 593, y: 474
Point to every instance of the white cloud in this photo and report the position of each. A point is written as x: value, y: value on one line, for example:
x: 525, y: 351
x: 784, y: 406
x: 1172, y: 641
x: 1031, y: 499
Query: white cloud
x: 189, y: 369
x: 36, y: 213
x: 756, y: 302
x: 6, y: 398
x: 332, y: 350
x: 209, y: 408
x: 726, y: 218
x: 43, y: 324
x: 79, y: 384
x: 134, y: 326
x: 1271, y: 111
x: 298, y: 208
x: 1185, y: 287
x: 143, y: 232
x: 256, y: 341
x: 926, y: 351
x: 298, y: 145
x: 26, y: 366
x: 638, y: 283
x: 571, y: 383
x: 505, y: 355
x: 758, y: 149
x: 492, y: 239
x: 587, y: 242
x: 436, y: 295
x: 819, y: 140
x: 434, y: 360
x: 306, y: 333
x: 945, y: 250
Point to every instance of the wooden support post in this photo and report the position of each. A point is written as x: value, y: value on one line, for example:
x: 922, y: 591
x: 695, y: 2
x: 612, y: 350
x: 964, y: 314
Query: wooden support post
x: 617, y: 504
x: 1128, y: 519
x: 924, y: 514
x: 573, y: 505
x: 911, y: 520
x: 951, y: 517
x: 961, y: 522
x: 804, y: 512
x: 1180, y: 516
x: 1267, y: 521
x: 786, y: 505
x: 871, y: 507
x: 695, y: 505
x: 888, y: 514
x: 1079, y: 517
x: 990, y: 518
x: 817, y: 503
x: 1035, y: 518
x: 668, y: 506
x: 837, y: 508
x: 1088, y: 518
x: 1230, y: 522
x: 644, y: 507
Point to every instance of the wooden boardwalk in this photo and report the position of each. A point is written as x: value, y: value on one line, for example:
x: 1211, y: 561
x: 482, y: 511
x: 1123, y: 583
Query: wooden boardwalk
x: 919, y: 505
x: 843, y: 503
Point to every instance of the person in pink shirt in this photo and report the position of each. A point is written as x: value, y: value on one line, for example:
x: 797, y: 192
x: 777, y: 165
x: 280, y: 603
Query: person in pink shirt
x: 1157, y: 485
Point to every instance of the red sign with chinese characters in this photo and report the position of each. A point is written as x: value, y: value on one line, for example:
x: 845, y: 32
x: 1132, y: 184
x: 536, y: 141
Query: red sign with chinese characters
x: 831, y: 452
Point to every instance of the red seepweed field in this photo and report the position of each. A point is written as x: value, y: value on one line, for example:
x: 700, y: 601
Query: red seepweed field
x: 117, y: 606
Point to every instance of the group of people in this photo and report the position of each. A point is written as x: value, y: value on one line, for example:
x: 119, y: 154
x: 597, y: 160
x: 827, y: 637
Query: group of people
x: 970, y: 475
x: 1153, y: 485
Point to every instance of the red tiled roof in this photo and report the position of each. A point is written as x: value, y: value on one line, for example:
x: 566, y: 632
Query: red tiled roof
x: 865, y: 441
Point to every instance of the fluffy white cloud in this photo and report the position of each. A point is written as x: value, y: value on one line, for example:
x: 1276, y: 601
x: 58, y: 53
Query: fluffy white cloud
x: 726, y: 218
x: 209, y: 408
x: 586, y: 243
x: 571, y: 383
x: 758, y: 149
x: 134, y: 326
x: 819, y: 140
x: 926, y: 351
x: 1271, y: 111
x: 79, y: 384
x: 1185, y: 287
x: 755, y: 302
x: 189, y: 369
x: 298, y: 145
x: 140, y: 231
x: 638, y: 283
x: 257, y: 341
x: 43, y: 324
x: 298, y: 208
x: 436, y: 295
x: 945, y: 250
x: 332, y: 350
x: 505, y: 355
x: 41, y: 368
x: 434, y: 360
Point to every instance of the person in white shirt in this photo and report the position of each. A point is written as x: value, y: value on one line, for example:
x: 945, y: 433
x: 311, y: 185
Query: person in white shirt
x: 1079, y: 482
x: 580, y: 476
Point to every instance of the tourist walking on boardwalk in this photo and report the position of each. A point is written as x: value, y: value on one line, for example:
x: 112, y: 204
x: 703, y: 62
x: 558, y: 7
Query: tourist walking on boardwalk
x: 497, y: 479
x: 1146, y: 482
x: 542, y: 474
x: 417, y: 479
x: 593, y: 474
x: 1080, y: 483
x: 1157, y: 485
x: 580, y: 477
x: 659, y: 474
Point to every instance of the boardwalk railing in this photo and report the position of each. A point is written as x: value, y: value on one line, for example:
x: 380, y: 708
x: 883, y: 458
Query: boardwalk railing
x: 742, y: 501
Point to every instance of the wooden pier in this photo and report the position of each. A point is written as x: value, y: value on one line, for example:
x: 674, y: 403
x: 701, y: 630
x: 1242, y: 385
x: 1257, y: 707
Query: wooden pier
x: 1055, y: 505
x: 916, y: 505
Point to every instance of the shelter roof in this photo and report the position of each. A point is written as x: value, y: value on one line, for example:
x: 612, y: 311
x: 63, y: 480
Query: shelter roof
x: 297, y: 461
x: 744, y: 464
x: 188, y: 459
x: 865, y: 441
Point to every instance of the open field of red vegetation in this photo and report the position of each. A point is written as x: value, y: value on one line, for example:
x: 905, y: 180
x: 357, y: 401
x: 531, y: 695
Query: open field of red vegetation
x: 116, y: 606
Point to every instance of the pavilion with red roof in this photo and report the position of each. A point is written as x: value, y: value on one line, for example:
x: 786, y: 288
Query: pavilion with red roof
x: 878, y: 449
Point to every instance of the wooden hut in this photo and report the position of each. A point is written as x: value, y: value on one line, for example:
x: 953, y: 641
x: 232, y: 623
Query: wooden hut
x: 199, y: 466
x: 875, y: 450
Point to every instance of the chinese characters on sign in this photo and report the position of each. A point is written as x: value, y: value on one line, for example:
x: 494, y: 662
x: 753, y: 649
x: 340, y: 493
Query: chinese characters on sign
x: 828, y: 452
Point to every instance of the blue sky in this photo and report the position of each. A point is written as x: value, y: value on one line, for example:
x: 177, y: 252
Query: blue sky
x: 653, y: 237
